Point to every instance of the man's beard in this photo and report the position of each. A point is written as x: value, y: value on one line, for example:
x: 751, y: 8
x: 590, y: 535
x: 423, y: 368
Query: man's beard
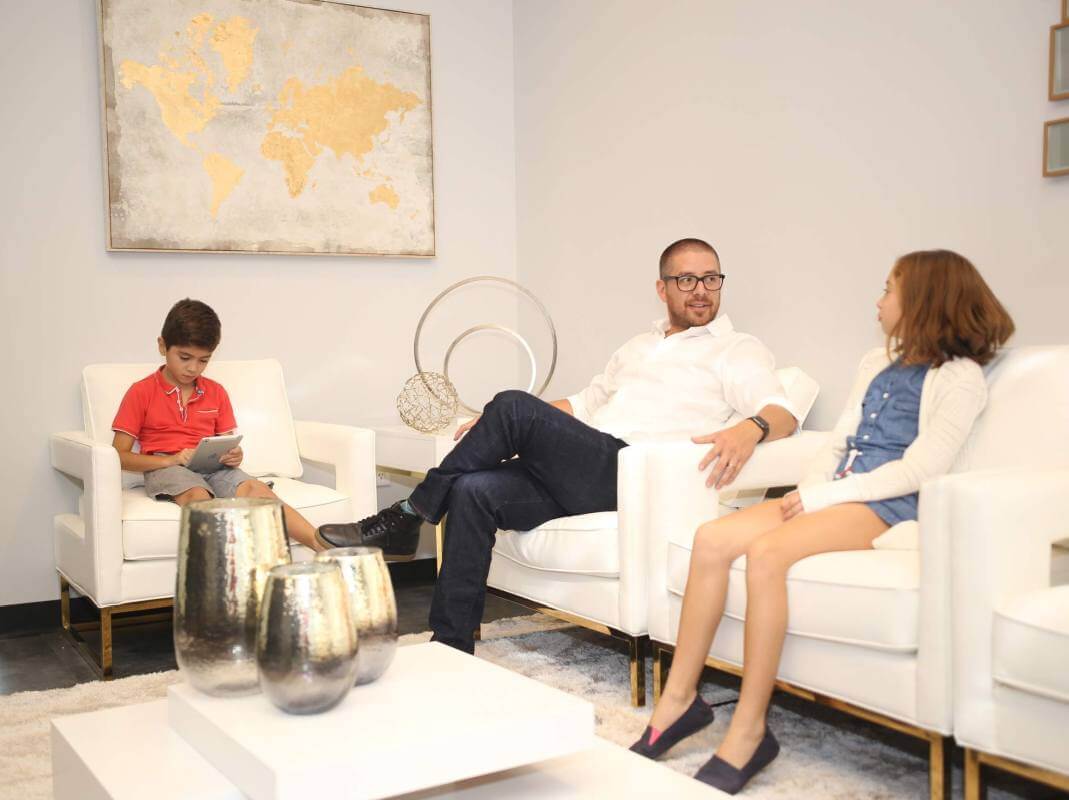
x: 677, y: 320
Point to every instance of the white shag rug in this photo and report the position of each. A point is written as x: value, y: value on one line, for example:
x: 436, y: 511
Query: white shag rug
x: 818, y: 759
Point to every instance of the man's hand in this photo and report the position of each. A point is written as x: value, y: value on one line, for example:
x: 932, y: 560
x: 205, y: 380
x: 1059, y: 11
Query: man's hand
x: 232, y: 457
x: 467, y: 426
x: 731, y: 449
x: 791, y: 505
x: 181, y: 458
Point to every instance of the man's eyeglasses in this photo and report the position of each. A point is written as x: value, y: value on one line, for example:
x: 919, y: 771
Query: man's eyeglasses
x: 687, y: 283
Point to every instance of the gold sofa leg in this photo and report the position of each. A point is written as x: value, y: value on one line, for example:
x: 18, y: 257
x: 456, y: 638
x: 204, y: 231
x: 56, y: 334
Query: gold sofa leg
x: 974, y: 780
x: 940, y: 767
x: 661, y: 658
x: 637, y: 646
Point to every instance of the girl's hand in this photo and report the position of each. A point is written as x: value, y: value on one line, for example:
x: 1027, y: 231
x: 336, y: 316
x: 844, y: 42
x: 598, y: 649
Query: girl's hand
x: 791, y: 505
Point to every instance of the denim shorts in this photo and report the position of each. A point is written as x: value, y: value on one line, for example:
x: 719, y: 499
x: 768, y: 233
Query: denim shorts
x: 895, y: 509
x: 169, y: 482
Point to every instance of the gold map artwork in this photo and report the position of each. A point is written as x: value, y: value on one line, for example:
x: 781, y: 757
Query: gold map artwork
x: 267, y: 127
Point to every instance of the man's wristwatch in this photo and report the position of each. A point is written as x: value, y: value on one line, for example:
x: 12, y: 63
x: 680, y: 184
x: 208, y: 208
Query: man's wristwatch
x: 761, y: 423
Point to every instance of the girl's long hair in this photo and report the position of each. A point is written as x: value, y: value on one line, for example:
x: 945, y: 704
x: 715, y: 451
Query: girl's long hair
x: 948, y: 311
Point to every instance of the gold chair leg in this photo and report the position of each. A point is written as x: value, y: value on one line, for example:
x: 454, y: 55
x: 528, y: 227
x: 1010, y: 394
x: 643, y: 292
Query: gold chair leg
x: 439, y: 539
x: 637, y: 658
x: 660, y: 671
x: 105, y: 643
x: 940, y: 768
x: 65, y: 603
x: 974, y: 779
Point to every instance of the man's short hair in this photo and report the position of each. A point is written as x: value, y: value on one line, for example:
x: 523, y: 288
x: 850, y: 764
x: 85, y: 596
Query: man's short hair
x: 680, y: 246
x: 191, y: 323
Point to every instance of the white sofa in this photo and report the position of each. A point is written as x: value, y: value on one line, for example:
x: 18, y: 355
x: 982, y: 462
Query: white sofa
x: 869, y: 631
x: 591, y: 568
x: 1010, y: 617
x: 118, y: 547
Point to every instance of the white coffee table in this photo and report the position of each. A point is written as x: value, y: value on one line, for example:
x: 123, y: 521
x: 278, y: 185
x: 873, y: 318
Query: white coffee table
x: 439, y: 723
x: 130, y: 753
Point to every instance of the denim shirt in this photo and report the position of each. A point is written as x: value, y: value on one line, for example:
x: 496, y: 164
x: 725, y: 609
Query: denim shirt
x: 890, y: 419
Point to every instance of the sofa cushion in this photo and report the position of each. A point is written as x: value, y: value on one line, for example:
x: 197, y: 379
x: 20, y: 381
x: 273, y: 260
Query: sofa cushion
x: 586, y: 544
x: 150, y: 527
x: 860, y: 597
x: 1030, y: 640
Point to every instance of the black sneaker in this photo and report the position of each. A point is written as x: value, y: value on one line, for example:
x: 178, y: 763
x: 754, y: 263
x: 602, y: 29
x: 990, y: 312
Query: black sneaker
x: 396, y: 532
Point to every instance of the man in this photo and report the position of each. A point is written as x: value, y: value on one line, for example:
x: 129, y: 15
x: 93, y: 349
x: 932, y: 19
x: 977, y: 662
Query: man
x: 526, y: 461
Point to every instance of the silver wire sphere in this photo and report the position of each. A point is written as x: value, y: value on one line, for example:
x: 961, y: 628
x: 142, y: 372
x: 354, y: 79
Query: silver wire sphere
x: 428, y: 402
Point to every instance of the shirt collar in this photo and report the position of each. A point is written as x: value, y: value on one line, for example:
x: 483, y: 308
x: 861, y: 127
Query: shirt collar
x: 718, y: 327
x: 169, y: 389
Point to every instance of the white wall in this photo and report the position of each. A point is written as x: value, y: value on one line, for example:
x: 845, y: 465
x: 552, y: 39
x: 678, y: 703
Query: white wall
x: 341, y: 327
x: 811, y: 142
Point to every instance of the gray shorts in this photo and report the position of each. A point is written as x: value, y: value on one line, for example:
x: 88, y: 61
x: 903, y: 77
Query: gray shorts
x: 167, y: 483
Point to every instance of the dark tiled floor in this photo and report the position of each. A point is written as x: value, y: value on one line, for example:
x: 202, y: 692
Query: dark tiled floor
x: 37, y: 658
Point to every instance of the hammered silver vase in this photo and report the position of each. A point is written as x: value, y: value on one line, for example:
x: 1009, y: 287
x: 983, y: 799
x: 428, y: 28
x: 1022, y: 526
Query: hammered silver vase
x: 306, y: 650
x: 372, y: 604
x: 225, y: 550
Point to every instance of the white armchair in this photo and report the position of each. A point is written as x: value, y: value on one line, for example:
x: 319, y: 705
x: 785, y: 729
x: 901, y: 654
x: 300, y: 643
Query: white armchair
x: 591, y: 569
x: 1010, y: 616
x: 869, y: 630
x: 118, y: 549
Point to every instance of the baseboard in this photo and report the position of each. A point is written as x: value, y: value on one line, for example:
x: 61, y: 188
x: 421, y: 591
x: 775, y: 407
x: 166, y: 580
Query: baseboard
x: 21, y: 618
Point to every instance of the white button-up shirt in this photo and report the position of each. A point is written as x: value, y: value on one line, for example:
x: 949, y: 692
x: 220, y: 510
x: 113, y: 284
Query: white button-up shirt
x: 694, y: 382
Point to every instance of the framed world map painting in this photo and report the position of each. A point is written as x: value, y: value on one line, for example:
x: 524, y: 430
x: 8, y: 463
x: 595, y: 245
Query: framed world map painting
x: 267, y: 126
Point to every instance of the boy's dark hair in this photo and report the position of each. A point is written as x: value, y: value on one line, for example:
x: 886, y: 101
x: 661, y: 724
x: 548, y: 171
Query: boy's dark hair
x: 191, y: 323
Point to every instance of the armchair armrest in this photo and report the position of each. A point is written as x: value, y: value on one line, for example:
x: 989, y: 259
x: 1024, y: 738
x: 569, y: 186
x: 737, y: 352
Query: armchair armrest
x: 1002, y: 525
x: 351, y: 451
x: 679, y: 501
x: 92, y: 560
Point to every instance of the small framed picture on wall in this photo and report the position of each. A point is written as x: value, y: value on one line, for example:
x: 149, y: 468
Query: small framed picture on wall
x: 1056, y: 147
x: 1059, y: 61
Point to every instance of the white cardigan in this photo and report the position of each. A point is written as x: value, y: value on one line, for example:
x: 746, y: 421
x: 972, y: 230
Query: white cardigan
x: 952, y: 397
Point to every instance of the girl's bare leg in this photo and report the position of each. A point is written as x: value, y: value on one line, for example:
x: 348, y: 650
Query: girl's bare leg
x: 716, y: 545
x: 850, y: 526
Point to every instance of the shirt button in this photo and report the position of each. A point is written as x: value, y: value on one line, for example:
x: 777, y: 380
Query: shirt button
x: 886, y: 395
x: 872, y: 415
x: 866, y: 436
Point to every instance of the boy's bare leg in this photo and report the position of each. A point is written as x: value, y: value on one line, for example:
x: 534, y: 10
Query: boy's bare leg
x: 299, y: 529
x: 189, y: 495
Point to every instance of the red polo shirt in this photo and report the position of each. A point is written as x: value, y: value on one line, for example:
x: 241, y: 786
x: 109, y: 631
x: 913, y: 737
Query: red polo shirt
x: 152, y: 412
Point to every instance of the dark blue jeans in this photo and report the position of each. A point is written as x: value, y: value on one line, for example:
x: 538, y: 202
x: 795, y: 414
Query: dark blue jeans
x: 564, y: 467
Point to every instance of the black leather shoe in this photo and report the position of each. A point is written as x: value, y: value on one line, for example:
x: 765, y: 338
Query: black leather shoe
x: 396, y: 532
x: 721, y: 775
x: 697, y: 716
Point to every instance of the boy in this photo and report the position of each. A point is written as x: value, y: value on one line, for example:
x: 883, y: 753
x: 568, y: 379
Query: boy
x: 172, y: 409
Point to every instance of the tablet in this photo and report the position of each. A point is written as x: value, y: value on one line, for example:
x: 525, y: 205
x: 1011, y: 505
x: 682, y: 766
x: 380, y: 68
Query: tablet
x: 211, y: 448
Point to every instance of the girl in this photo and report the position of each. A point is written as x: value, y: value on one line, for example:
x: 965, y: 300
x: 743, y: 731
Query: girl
x: 907, y: 417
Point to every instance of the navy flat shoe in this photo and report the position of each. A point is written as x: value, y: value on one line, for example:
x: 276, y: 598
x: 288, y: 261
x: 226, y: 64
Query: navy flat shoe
x: 721, y: 775
x: 697, y: 716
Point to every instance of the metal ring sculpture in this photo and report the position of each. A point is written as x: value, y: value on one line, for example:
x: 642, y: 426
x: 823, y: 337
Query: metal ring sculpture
x: 480, y: 328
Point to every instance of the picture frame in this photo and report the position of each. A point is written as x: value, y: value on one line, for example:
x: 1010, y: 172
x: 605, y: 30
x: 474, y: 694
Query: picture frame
x: 218, y: 137
x: 1058, y: 83
x: 1056, y: 148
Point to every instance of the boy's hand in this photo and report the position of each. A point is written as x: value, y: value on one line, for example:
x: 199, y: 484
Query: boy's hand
x: 232, y: 457
x: 181, y: 458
